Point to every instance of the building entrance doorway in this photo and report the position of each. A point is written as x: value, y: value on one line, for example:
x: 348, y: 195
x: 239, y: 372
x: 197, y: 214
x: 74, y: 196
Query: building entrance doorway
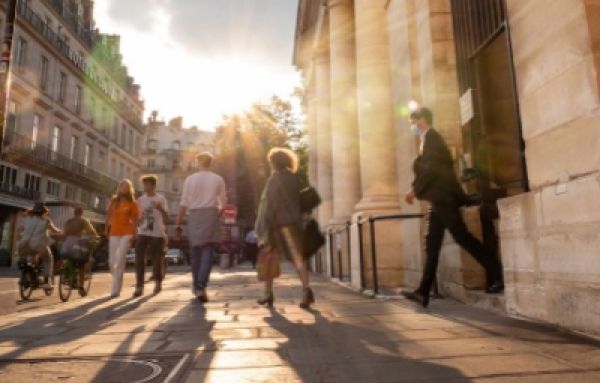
x: 498, y: 147
x: 493, y: 147
x: 492, y: 141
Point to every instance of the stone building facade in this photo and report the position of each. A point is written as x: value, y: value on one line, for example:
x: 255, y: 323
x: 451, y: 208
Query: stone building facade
x: 169, y: 152
x: 74, y: 120
x: 515, y: 90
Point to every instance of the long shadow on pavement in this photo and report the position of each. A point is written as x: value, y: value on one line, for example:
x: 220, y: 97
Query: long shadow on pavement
x: 186, y: 332
x: 495, y: 324
x: 63, y: 327
x: 329, y: 351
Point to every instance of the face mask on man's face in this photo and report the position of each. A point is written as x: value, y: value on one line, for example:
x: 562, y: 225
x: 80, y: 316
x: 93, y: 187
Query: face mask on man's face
x: 414, y: 129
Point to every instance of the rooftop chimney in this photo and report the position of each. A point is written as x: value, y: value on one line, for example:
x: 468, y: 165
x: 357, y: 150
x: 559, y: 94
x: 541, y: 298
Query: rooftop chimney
x: 88, y: 13
x: 176, y: 122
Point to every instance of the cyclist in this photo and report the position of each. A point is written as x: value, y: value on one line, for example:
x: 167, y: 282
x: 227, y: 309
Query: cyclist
x: 34, y: 239
x: 74, y: 230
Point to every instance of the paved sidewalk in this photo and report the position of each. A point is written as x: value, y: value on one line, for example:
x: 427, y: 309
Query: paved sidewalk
x: 346, y: 338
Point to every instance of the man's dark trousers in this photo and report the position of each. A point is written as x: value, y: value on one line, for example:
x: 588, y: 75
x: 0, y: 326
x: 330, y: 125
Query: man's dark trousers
x: 447, y: 216
x: 154, y: 248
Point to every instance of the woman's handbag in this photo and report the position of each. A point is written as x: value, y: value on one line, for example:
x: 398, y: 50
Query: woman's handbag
x: 313, y: 239
x: 77, y: 251
x: 267, y: 264
x: 309, y: 199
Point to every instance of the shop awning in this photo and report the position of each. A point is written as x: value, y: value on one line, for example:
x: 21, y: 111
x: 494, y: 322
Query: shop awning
x: 15, y: 202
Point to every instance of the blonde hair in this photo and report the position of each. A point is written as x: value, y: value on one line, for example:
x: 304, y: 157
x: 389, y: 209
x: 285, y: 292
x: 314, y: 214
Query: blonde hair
x: 205, y: 158
x: 282, y: 159
x: 130, y: 196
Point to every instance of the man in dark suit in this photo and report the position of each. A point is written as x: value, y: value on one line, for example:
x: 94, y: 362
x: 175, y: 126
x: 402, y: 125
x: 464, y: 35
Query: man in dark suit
x: 436, y: 182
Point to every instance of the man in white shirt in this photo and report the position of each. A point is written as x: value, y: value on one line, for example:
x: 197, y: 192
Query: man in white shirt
x: 151, y: 235
x: 204, y: 196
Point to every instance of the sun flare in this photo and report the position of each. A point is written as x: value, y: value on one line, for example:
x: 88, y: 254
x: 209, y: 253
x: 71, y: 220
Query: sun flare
x: 201, y: 87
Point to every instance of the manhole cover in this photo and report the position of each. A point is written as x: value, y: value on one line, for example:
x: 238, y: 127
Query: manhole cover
x: 100, y: 370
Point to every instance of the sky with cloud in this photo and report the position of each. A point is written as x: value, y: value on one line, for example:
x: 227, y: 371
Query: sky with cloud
x: 204, y: 58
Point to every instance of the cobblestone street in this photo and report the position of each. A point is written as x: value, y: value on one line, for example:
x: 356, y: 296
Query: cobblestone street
x: 346, y: 338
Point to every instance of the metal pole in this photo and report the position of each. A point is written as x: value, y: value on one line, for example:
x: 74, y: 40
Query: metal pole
x: 374, y: 256
x: 5, y: 53
x: 339, y: 254
x: 318, y: 262
x: 340, y: 274
x: 360, y: 253
x: 331, y: 252
x: 348, y: 231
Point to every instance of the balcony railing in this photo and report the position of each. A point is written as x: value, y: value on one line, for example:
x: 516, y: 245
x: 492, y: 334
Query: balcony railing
x: 19, y: 191
x: 41, y: 155
x: 41, y: 26
x: 70, y: 18
x: 156, y: 169
x: 114, y: 68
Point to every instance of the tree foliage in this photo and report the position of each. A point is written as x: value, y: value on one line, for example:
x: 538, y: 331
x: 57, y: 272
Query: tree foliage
x: 243, y: 142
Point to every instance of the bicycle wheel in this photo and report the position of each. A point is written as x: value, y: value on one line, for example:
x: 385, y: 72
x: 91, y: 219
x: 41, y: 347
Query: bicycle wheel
x: 65, y: 282
x: 26, y: 284
x: 87, y: 279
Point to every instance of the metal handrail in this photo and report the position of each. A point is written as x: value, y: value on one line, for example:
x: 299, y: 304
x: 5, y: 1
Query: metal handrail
x: 334, y: 230
x: 372, y: 220
x: 339, y: 229
x: 391, y: 217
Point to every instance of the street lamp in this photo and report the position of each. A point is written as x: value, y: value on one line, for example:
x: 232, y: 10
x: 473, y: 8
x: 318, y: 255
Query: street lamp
x: 5, y: 53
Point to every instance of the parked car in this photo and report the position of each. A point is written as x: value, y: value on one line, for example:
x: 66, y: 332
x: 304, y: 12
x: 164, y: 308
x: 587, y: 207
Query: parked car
x: 101, y: 255
x: 130, y: 257
x: 175, y: 257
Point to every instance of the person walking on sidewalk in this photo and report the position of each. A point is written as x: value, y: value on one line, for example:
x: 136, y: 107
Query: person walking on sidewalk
x: 151, y: 235
x: 203, y: 197
x: 436, y: 182
x: 121, y: 223
x: 279, y: 222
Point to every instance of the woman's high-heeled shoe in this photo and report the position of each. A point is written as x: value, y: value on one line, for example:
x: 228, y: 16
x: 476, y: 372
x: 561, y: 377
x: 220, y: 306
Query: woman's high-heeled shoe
x: 267, y: 300
x: 308, y: 299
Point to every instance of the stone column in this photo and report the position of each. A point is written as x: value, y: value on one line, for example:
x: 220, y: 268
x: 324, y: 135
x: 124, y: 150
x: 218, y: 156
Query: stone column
x: 344, y: 131
x: 322, y: 100
x: 311, y: 105
x: 311, y: 129
x: 377, y: 141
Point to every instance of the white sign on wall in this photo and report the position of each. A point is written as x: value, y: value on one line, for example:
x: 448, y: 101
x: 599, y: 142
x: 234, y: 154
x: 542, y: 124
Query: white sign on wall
x: 466, y: 107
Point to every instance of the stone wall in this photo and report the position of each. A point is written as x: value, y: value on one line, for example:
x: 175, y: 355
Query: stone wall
x: 424, y: 69
x: 550, y: 236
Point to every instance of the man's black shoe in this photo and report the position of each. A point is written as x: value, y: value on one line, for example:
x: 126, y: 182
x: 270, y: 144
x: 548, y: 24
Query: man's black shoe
x: 495, y: 288
x: 416, y: 296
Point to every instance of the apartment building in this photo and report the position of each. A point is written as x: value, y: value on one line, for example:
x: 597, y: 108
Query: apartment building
x: 169, y: 152
x: 74, y: 120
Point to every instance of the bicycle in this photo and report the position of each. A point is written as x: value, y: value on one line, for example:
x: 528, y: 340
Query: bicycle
x: 69, y: 277
x: 32, y: 277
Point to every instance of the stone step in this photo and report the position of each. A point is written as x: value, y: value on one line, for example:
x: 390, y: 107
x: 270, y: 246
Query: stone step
x: 489, y: 302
